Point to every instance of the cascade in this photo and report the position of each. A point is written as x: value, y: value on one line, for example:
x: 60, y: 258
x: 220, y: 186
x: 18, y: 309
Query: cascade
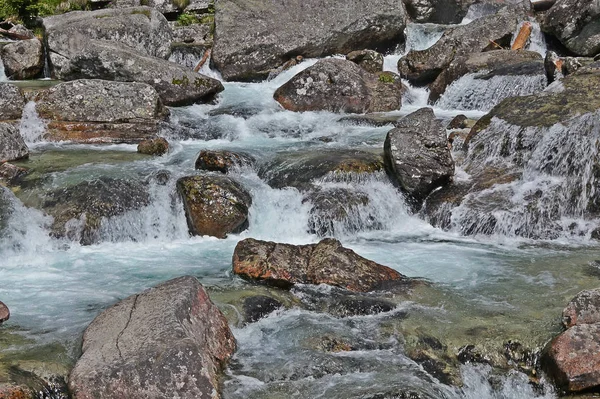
x: 3, y: 77
x: 32, y: 127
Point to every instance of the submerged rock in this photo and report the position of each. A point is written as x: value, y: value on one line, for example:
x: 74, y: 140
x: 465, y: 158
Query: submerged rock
x: 277, y: 31
x: 79, y: 210
x: 327, y: 262
x: 337, y: 85
x: 12, y: 145
x: 11, y: 174
x: 576, y: 23
x: 23, y: 59
x: 215, y: 205
x: 417, y: 154
x: 259, y: 306
x: 101, y: 111
x: 583, y: 309
x: 12, y: 102
x: 222, y: 161
x: 423, y: 66
x: 4, y: 312
x: 169, y: 341
x: 158, y: 146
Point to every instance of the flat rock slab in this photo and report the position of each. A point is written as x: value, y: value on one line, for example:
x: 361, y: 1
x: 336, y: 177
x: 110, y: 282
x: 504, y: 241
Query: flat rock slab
x: 327, y: 262
x: 170, y: 341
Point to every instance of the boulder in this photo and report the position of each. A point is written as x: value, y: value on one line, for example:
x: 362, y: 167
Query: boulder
x: 12, y: 102
x: 259, y: 306
x: 337, y: 85
x: 12, y: 146
x: 573, y: 358
x: 142, y: 28
x: 437, y: 11
x: 158, y: 146
x: 222, y: 161
x: 10, y: 174
x: 327, y: 262
x: 300, y: 169
x: 417, y: 154
x: 169, y: 341
x: 4, y: 312
x: 23, y: 59
x: 583, y: 309
x: 80, y: 210
x: 215, y: 205
x: 369, y: 60
x: 101, y: 111
x: 97, y: 59
x: 495, y: 63
x: 579, y: 31
x: 421, y: 67
x: 277, y: 31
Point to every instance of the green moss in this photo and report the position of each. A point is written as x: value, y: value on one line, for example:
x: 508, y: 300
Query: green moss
x: 184, y: 81
x: 186, y: 19
x: 181, y: 4
x: 142, y: 12
x: 386, y: 78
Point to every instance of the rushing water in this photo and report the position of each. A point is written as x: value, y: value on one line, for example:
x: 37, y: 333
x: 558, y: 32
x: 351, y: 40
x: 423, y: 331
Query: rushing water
x: 484, y: 291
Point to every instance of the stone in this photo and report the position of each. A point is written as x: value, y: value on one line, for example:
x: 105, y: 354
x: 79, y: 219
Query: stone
x: 4, y: 312
x: 328, y: 262
x: 458, y: 122
x: 12, y: 102
x: 421, y: 67
x: 300, y: 169
x: 583, y: 309
x: 573, y: 358
x: 12, y: 145
x: 215, y: 205
x: 277, y: 31
x: 337, y: 85
x: 577, y: 31
x: 158, y: 146
x: 369, y: 60
x: 142, y: 28
x: 23, y: 59
x: 79, y: 210
x: 169, y: 341
x: 259, y: 306
x: 417, y: 155
x: 348, y: 306
x: 222, y: 161
x: 97, y: 59
x: 101, y: 111
x: 11, y: 174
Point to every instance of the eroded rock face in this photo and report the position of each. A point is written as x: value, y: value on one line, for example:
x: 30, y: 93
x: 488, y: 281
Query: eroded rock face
x: 423, y: 66
x: 583, y: 309
x: 215, y: 205
x: 101, y: 111
x: 169, y: 341
x: 222, y: 160
x: 417, y: 155
x: 579, y: 31
x: 327, y: 262
x: 12, y: 146
x: 280, y: 30
x: 337, y: 85
x: 23, y: 59
x: 12, y: 102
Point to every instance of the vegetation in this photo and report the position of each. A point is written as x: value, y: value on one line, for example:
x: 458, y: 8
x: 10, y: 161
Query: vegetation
x: 25, y: 11
x: 186, y: 19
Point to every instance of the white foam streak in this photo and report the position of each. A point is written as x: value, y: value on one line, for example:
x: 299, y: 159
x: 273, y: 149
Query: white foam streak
x: 32, y: 127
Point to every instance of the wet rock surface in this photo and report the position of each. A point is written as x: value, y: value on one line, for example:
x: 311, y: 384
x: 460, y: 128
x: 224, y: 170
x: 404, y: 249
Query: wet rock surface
x: 222, y: 161
x: 23, y: 59
x: 12, y: 102
x: 583, y: 309
x: 12, y: 145
x: 417, y: 155
x: 327, y: 262
x: 158, y: 146
x: 215, y: 205
x: 311, y: 28
x: 169, y: 341
x: 4, y: 312
x: 259, y: 306
x: 337, y: 85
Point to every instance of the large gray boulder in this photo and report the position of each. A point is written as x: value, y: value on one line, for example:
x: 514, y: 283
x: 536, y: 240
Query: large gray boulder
x: 576, y: 23
x: 273, y: 32
x: 337, y: 85
x: 12, y: 101
x: 423, y: 66
x: 583, y: 309
x: 417, y: 154
x: 23, y: 59
x: 12, y: 146
x: 97, y: 59
x: 142, y: 28
x: 170, y: 341
x: 101, y: 111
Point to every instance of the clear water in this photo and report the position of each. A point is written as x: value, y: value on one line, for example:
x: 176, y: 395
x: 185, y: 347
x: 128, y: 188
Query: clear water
x: 483, y: 290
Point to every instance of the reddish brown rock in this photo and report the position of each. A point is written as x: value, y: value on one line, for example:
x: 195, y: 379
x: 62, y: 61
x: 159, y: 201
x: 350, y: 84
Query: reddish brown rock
x: 221, y: 161
x: 9, y: 391
x: 583, y: 309
x: 573, y: 358
x: 4, y: 312
x: 158, y: 146
x: 327, y: 262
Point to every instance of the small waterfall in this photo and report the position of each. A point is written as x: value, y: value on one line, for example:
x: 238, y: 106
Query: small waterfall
x: 188, y: 57
x: 32, y: 127
x: 472, y: 92
x: 536, y: 42
x: 3, y: 77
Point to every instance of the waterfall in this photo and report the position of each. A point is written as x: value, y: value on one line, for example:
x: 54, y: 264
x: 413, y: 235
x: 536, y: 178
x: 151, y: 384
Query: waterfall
x: 418, y: 37
x: 536, y: 40
x: 32, y: 127
x: 3, y: 77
